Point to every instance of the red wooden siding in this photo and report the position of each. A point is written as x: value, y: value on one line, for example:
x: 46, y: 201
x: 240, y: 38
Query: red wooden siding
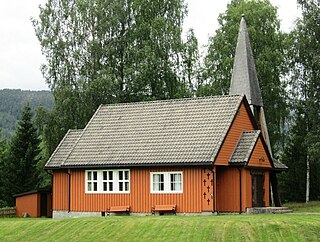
x: 246, y: 189
x: 259, y: 157
x: 29, y: 204
x: 140, y: 199
x: 228, y: 189
x: 242, y: 122
x: 60, y: 191
x: 207, y: 190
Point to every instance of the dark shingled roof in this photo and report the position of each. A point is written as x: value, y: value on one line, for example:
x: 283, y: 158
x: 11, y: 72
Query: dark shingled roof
x: 279, y: 166
x: 244, y: 77
x: 63, y: 150
x: 244, y: 147
x: 182, y: 131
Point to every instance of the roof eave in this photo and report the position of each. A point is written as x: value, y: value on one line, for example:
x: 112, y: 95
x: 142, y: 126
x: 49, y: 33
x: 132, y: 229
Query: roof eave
x: 100, y: 166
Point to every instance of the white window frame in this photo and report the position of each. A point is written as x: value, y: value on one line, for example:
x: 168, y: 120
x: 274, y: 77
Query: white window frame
x: 167, y: 182
x: 115, y: 181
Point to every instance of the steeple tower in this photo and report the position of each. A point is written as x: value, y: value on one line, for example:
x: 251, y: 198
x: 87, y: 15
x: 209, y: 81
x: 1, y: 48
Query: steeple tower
x: 245, y: 81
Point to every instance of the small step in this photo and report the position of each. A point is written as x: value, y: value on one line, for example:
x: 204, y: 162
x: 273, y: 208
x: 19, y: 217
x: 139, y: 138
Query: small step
x: 270, y: 210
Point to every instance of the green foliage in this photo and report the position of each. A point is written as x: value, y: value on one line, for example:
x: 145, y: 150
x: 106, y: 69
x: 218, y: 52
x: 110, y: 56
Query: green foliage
x: 293, y: 182
x: 20, y: 174
x: 4, y: 155
x: 267, y: 46
x: 277, y: 227
x: 12, y: 103
x: 304, y: 60
x: 100, y: 52
x: 191, y: 70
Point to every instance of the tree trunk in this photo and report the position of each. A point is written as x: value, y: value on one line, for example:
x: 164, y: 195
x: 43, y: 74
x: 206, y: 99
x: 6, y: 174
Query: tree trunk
x: 308, y: 180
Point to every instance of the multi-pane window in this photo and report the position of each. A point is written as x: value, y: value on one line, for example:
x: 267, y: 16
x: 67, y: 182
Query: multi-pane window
x: 158, y: 182
x: 123, y: 181
x: 166, y: 182
x: 175, y: 182
x: 108, y: 181
x: 92, y: 181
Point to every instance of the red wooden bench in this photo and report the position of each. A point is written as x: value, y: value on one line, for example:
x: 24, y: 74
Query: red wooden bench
x: 117, y: 209
x: 164, y: 208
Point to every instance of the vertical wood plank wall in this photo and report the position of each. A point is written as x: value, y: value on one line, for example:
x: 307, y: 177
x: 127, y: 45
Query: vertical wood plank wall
x: 60, y: 191
x: 228, y: 189
x: 140, y: 199
x: 207, y: 190
x: 28, y: 204
x: 242, y: 122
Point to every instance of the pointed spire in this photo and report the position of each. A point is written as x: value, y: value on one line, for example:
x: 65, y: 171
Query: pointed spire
x: 244, y: 77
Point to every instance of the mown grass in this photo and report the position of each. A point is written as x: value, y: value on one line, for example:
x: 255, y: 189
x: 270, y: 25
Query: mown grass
x: 267, y: 227
x: 313, y: 206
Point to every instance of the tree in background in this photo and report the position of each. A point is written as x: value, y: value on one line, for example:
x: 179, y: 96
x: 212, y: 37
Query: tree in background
x: 4, y: 153
x: 20, y: 172
x: 267, y: 46
x: 191, y: 69
x: 100, y: 52
x: 304, y: 148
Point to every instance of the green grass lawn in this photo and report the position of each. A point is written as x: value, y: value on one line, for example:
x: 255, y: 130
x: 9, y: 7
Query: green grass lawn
x: 313, y: 206
x: 267, y: 227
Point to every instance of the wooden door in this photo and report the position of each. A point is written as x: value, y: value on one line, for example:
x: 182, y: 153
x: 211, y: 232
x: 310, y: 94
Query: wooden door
x: 207, y: 190
x: 258, y: 190
x: 43, y: 205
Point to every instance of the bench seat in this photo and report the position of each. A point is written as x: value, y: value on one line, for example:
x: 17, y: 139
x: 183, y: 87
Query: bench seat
x: 116, y: 209
x: 164, y: 208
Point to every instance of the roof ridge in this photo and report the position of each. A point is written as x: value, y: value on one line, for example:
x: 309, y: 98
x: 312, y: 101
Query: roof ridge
x: 172, y: 100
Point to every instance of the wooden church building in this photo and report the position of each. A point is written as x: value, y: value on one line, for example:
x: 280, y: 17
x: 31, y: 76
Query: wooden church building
x: 194, y: 155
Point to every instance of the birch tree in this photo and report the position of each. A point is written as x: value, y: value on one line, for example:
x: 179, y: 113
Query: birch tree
x: 304, y: 55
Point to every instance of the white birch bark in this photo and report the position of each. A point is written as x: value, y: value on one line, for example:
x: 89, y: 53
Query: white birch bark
x: 308, y: 180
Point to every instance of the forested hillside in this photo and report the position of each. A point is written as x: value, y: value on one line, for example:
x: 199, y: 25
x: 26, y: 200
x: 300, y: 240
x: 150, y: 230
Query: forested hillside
x: 12, y: 102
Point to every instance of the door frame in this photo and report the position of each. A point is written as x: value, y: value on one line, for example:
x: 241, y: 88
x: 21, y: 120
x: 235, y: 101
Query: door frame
x: 258, y: 190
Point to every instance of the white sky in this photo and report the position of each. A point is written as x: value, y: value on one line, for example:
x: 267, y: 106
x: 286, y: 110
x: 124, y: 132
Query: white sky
x: 20, y: 52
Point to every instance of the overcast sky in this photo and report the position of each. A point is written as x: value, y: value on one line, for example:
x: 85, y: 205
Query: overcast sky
x: 20, y: 52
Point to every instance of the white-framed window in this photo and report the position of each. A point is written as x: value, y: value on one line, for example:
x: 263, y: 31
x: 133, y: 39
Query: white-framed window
x: 107, y: 181
x: 92, y: 181
x: 166, y: 182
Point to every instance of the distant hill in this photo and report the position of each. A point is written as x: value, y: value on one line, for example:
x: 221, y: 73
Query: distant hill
x: 12, y: 102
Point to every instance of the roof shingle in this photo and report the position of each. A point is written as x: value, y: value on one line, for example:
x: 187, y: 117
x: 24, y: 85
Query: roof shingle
x: 160, y: 132
x: 63, y: 150
x: 244, y: 147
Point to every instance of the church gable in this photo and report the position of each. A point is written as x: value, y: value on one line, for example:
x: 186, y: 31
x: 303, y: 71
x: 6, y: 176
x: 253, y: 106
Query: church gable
x: 259, y: 156
x: 243, y: 120
x: 251, y: 150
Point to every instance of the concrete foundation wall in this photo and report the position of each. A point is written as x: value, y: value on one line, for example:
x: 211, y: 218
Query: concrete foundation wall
x: 65, y: 214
